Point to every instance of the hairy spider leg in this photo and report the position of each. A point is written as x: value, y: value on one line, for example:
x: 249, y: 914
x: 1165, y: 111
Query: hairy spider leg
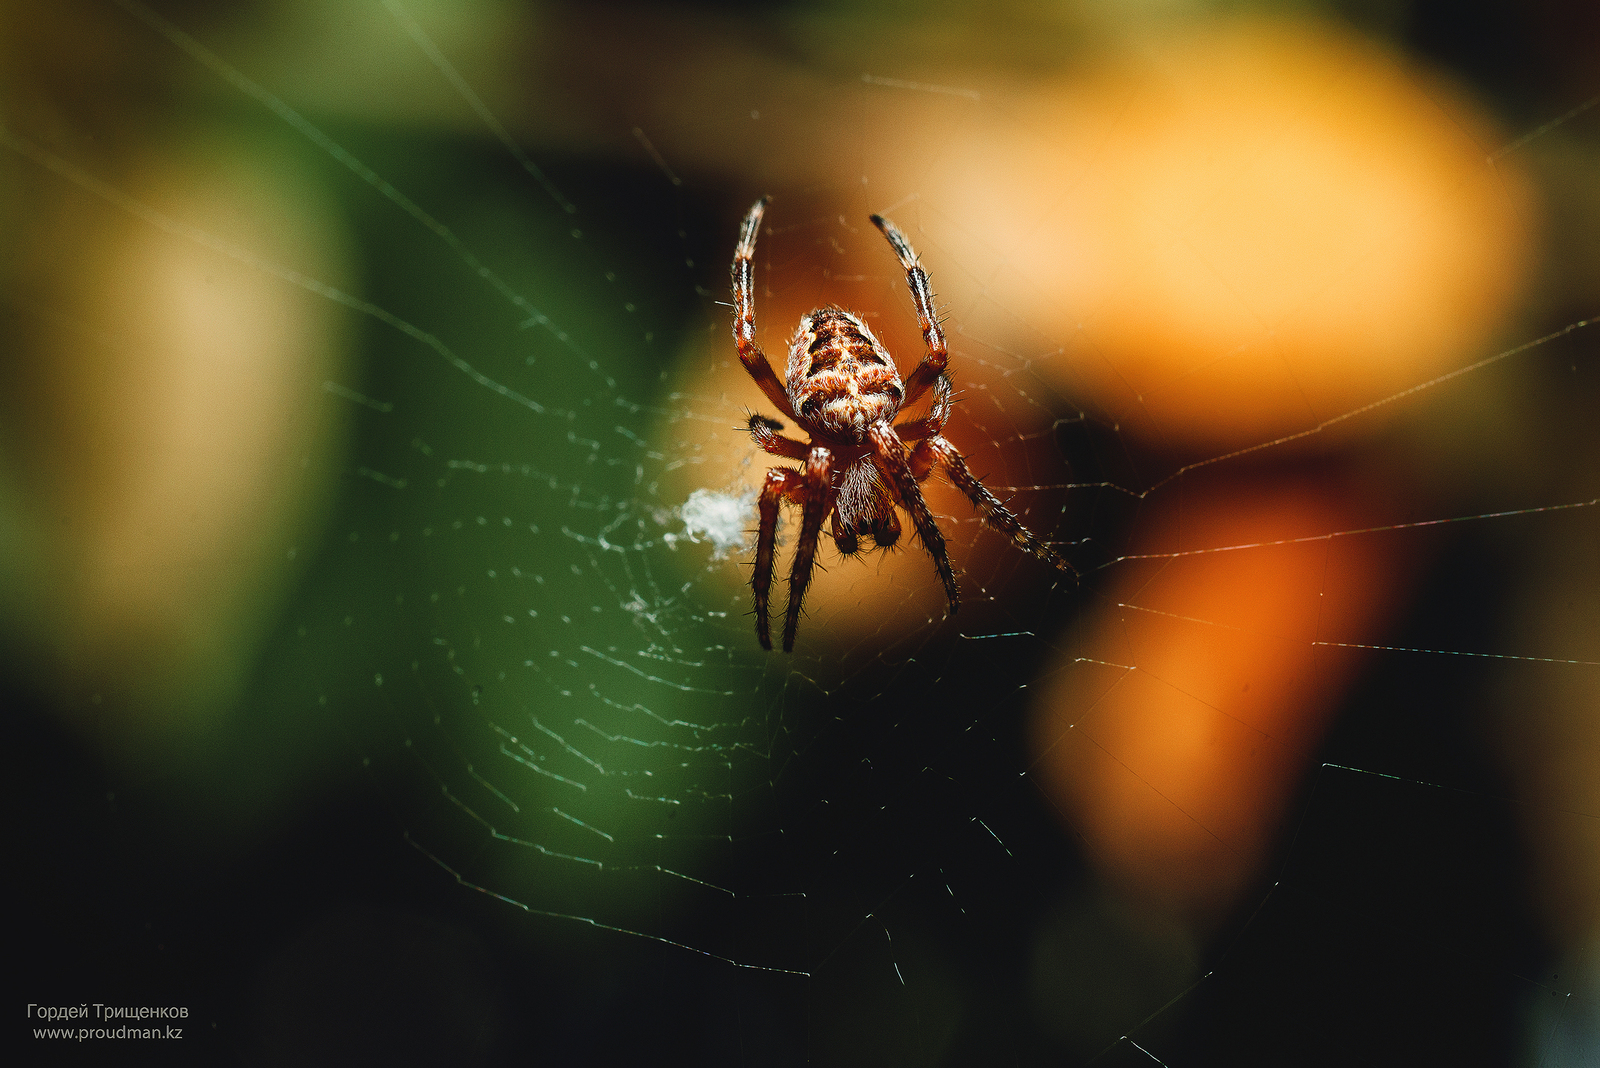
x: 744, y: 313
x: 817, y: 498
x: 765, y: 431
x: 934, y: 363
x: 932, y: 423
x: 890, y: 456
x: 782, y: 483
x: 990, y: 507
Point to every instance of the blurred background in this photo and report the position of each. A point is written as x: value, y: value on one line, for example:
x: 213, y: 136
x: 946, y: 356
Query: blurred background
x: 374, y: 517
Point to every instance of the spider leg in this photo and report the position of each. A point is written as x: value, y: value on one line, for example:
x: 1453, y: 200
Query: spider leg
x: 765, y: 431
x: 890, y: 456
x: 817, y: 495
x: 744, y: 313
x: 818, y: 498
x: 932, y: 423
x: 933, y: 364
x: 993, y: 510
x: 923, y: 458
x: 782, y: 482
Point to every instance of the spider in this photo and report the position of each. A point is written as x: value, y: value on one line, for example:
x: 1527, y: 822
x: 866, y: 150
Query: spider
x: 842, y: 388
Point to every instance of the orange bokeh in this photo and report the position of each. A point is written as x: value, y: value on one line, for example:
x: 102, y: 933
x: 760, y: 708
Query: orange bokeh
x: 1170, y: 737
x: 1252, y: 228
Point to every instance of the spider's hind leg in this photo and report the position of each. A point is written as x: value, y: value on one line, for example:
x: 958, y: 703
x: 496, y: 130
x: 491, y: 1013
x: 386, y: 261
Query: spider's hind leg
x: 938, y: 355
x: 744, y: 312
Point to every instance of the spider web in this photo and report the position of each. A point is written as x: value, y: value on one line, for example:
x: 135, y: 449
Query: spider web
x: 526, y: 610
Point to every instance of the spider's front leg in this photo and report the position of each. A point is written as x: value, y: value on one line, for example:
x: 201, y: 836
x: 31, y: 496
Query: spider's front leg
x: 990, y: 507
x: 817, y: 497
x: 782, y: 483
x: 890, y: 456
x: 812, y: 490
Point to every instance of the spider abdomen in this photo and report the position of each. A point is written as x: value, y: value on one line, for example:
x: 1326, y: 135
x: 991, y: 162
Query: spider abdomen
x: 840, y: 378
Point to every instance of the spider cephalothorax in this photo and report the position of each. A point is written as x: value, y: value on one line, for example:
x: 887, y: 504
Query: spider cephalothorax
x: 842, y: 388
